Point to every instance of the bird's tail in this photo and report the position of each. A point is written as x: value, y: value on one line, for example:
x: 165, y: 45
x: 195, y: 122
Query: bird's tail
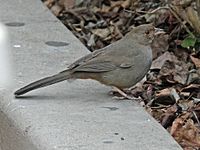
x: 44, y: 82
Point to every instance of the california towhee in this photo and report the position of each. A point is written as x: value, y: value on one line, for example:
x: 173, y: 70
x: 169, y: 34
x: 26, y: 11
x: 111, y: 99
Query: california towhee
x: 121, y: 64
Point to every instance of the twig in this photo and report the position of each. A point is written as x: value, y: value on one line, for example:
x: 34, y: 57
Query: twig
x: 195, y: 115
x: 198, y: 7
x: 179, y: 19
x: 157, y: 9
x: 133, y: 12
x: 146, y: 12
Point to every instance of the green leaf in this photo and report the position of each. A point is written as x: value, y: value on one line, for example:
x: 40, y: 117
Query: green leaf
x: 188, y: 42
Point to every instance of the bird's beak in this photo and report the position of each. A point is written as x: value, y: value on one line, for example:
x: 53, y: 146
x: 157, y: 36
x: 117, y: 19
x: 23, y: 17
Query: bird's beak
x: 159, y: 31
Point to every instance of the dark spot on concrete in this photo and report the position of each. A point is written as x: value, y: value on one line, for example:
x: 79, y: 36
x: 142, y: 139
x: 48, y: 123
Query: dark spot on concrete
x: 27, y: 129
x: 15, y: 24
x: 111, y: 108
x: 116, y: 133
x: 107, y: 142
x: 122, y: 138
x: 56, y: 43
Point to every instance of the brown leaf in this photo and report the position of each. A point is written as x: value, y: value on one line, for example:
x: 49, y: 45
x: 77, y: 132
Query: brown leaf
x: 185, y: 94
x: 104, y: 33
x: 160, y: 45
x: 194, y: 76
x: 169, y: 116
x: 166, y: 96
x: 126, y: 3
x: 186, y: 104
x: 49, y: 3
x: 174, y: 71
x: 196, y: 61
x: 183, y: 3
x: 56, y: 9
x: 158, y: 16
x: 185, y: 132
x: 156, y: 113
x: 193, y: 18
x: 182, y: 54
x: 191, y: 88
x: 159, y: 62
x: 67, y: 4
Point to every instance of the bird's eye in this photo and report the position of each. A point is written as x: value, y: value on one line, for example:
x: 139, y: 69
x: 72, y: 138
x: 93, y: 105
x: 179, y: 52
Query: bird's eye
x: 146, y: 32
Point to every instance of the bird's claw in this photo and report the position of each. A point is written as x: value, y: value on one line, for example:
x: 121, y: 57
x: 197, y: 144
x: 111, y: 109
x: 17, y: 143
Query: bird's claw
x: 123, y: 95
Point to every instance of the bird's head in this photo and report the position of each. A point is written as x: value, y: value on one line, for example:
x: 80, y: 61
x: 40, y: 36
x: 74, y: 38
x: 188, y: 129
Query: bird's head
x: 144, y: 34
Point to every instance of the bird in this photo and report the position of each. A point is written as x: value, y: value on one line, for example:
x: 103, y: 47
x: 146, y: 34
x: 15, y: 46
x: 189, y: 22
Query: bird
x: 121, y: 64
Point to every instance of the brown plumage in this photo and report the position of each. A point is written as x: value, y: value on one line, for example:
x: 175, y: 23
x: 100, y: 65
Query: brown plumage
x: 121, y: 64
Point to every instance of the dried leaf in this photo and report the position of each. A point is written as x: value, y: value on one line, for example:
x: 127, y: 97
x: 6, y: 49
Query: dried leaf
x: 186, y: 104
x: 183, y: 3
x: 159, y: 62
x: 191, y: 88
x: 169, y: 116
x: 194, y: 76
x: 159, y: 16
x: 196, y: 61
x: 103, y: 33
x: 185, y: 131
x: 166, y: 96
x: 56, y: 9
x: 160, y: 45
x: 194, y: 18
x: 67, y: 4
x: 174, y: 71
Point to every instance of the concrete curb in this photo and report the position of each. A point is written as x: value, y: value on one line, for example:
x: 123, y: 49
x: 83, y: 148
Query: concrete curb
x: 67, y: 116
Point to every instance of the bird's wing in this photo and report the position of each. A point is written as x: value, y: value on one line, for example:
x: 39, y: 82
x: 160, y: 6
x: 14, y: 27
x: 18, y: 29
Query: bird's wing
x: 96, y: 66
x: 103, y: 60
x: 102, y: 63
x: 85, y: 59
x: 92, y: 63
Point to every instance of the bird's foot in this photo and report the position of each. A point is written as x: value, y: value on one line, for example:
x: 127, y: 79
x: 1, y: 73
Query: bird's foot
x: 122, y: 94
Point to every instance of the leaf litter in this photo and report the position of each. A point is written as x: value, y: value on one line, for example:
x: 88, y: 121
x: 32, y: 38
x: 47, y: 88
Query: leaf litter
x: 171, y: 90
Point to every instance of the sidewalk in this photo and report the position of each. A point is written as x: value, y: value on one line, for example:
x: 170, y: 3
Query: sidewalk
x: 67, y: 116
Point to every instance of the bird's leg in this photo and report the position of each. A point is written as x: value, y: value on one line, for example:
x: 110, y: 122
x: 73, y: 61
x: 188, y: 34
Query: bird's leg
x: 123, y: 95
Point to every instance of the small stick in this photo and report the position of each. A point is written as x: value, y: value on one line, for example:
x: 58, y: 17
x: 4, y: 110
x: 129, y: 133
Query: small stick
x: 179, y: 19
x: 195, y: 115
